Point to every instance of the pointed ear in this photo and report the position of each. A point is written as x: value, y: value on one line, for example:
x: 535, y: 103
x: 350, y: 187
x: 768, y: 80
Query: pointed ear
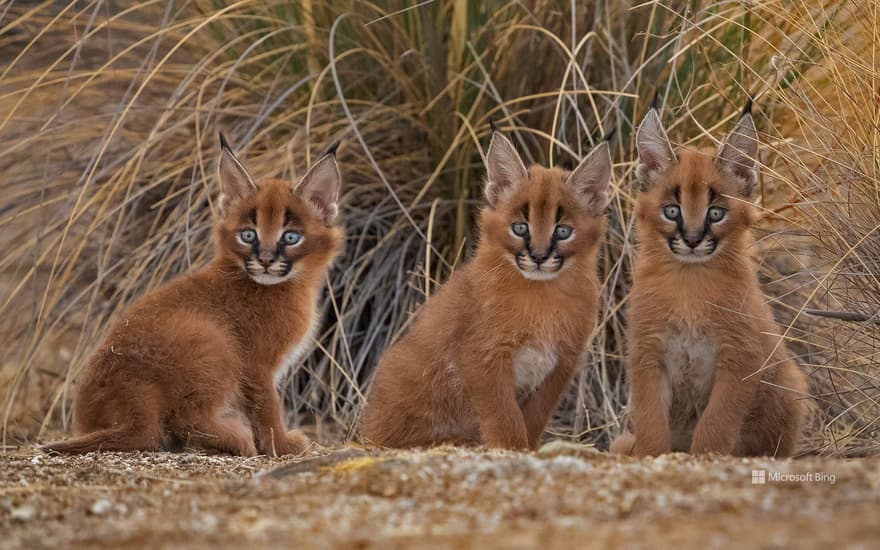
x: 655, y: 152
x: 504, y: 168
x: 590, y: 178
x: 235, y: 182
x: 320, y: 186
x: 737, y: 156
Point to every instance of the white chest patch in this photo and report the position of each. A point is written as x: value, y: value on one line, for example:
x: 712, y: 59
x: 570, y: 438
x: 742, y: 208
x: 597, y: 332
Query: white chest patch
x: 531, y: 365
x: 690, y: 366
x: 296, y: 352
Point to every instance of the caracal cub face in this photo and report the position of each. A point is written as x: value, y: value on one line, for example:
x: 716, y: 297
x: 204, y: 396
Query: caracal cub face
x: 706, y: 372
x: 274, y: 232
x: 693, y: 206
x: 539, y: 220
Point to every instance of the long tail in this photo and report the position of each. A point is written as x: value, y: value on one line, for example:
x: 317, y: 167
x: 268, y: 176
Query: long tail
x: 119, y: 438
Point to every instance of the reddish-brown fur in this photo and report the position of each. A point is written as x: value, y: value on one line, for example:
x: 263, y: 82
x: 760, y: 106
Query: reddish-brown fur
x: 192, y: 363
x: 706, y: 369
x: 452, y: 378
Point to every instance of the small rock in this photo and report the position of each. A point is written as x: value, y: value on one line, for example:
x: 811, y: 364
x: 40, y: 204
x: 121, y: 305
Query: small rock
x: 100, y: 507
x: 23, y: 514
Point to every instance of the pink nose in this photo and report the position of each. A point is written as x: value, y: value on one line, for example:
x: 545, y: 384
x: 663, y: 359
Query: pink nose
x: 265, y: 258
x: 693, y: 239
x: 538, y: 257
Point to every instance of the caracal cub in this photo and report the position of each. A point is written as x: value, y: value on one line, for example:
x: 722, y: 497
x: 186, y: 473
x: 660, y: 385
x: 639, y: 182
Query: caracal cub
x: 194, y: 363
x: 489, y: 356
x: 706, y: 367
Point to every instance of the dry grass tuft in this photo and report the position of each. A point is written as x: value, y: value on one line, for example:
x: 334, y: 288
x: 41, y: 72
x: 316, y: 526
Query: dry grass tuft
x: 108, y: 118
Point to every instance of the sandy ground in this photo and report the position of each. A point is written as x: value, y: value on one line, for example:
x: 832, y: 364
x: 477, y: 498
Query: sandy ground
x: 564, y: 496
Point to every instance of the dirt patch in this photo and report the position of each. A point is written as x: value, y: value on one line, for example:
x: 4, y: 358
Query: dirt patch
x: 561, y: 497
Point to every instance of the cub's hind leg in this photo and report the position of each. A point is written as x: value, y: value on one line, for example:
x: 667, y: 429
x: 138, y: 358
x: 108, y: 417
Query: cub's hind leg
x: 206, y: 413
x: 225, y: 407
x: 398, y: 414
x: 394, y: 428
x: 222, y: 431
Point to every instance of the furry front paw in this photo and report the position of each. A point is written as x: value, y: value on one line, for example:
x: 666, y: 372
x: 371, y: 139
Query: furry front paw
x: 701, y: 449
x: 297, y: 441
x: 293, y: 442
x: 623, y: 444
x: 512, y: 443
x: 704, y: 447
x: 648, y: 448
x: 247, y: 449
x: 711, y: 442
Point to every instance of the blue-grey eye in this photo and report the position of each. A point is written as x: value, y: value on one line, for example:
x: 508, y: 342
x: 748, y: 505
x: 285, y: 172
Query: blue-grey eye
x: 520, y: 229
x: 291, y: 238
x: 716, y: 214
x: 248, y: 236
x: 672, y: 212
x: 562, y: 232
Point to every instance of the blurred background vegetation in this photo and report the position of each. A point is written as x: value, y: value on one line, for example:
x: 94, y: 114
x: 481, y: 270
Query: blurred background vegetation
x: 109, y: 113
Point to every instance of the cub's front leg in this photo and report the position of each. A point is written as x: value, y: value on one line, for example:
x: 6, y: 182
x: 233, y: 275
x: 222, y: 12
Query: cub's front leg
x: 650, y: 410
x: 489, y: 385
x: 264, y: 413
x: 720, y: 426
x: 538, y: 409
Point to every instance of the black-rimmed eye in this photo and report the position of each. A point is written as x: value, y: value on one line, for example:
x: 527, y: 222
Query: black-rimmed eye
x: 248, y: 236
x: 520, y: 229
x: 291, y: 238
x: 562, y: 232
x: 716, y: 214
x: 672, y: 212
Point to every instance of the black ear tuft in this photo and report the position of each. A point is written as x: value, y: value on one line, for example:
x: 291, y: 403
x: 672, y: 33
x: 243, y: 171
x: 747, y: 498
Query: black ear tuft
x: 492, y: 125
x: 747, y: 109
x: 609, y: 135
x: 331, y: 149
x: 223, y: 143
x: 655, y: 103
